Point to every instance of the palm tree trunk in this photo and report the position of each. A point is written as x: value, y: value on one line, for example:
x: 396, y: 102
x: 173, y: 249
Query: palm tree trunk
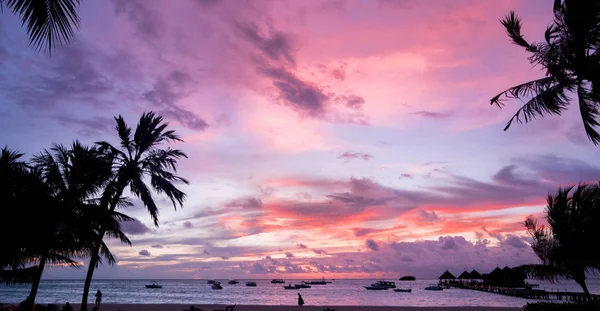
x: 36, y: 283
x: 96, y: 253
x: 90, y: 273
x: 586, y: 292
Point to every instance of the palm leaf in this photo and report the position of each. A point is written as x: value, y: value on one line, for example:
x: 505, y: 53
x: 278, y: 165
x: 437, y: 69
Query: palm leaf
x: 550, y: 101
x: 588, y: 107
x: 49, y: 22
x: 543, y: 272
x: 512, y: 25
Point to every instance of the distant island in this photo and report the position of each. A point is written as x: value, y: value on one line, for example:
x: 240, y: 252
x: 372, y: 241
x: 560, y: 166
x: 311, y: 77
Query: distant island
x: 408, y: 278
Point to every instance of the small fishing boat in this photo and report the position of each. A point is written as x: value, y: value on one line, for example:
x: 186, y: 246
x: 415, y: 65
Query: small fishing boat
x: 376, y: 286
x: 233, y: 282
x: 210, y: 281
x: 252, y: 284
x: 289, y: 286
x: 277, y: 281
x: 153, y: 285
x: 434, y: 287
x: 217, y: 285
x: 408, y: 278
x: 386, y: 284
x: 302, y: 286
x: 403, y: 290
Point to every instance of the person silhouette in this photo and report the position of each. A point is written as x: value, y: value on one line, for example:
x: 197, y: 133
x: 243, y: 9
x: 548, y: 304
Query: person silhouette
x: 98, y: 298
x: 300, y: 300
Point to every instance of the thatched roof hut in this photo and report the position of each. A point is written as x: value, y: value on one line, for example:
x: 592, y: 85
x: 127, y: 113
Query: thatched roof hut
x: 474, y: 275
x: 464, y: 276
x: 447, y: 276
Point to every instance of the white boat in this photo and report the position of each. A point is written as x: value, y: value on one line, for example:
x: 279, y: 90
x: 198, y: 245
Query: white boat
x: 377, y: 286
x: 386, y: 284
x: 153, y: 285
x: 434, y: 287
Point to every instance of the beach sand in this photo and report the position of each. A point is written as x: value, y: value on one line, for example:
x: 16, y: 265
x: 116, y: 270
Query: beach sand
x: 180, y: 307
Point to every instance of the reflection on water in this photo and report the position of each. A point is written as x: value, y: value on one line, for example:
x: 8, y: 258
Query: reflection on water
x: 340, y: 292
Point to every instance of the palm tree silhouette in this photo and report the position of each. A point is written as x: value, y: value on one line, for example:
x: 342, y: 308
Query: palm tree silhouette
x: 75, y: 176
x: 564, y: 246
x: 571, y: 60
x: 21, y: 193
x: 49, y: 22
x: 140, y: 157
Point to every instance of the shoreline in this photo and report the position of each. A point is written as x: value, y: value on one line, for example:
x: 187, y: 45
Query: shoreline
x: 203, y: 307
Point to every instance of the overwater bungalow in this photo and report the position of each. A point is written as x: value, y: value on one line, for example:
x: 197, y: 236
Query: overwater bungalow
x: 447, y: 278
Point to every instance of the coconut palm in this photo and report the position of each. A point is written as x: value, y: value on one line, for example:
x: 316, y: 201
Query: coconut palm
x: 569, y: 55
x: 49, y: 22
x: 19, y: 187
x: 573, y: 219
x: 70, y: 228
x: 139, y: 158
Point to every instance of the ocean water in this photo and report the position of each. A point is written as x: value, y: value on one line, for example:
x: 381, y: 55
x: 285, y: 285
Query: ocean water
x: 339, y: 292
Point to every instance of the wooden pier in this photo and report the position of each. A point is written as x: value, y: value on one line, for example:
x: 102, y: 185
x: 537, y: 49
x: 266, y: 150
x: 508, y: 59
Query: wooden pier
x: 528, y: 293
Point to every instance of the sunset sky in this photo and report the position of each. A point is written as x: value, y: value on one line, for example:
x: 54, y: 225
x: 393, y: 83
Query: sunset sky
x: 326, y: 138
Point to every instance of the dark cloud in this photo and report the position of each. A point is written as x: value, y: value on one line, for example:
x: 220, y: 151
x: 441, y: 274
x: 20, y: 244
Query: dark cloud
x: 515, y: 241
x: 188, y: 225
x: 319, y: 251
x: 71, y: 77
x: 144, y: 253
x: 338, y: 72
x: 302, y: 245
x: 352, y: 101
x: 289, y: 255
x: 91, y: 127
x: 205, y: 252
x: 372, y: 245
x: 157, y: 246
x: 208, y: 3
x: 276, y: 45
x: 248, y: 203
x: 406, y: 175
x: 425, y: 216
x: 147, y: 21
x: 224, y: 257
x: 355, y: 155
x: 304, y: 97
x: 432, y: 115
x: 165, y: 96
x: 134, y: 227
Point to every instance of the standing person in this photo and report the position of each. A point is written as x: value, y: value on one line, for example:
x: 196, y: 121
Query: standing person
x: 98, y: 298
x: 300, y: 300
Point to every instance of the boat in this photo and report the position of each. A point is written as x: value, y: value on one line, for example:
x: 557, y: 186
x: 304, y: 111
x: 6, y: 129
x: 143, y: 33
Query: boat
x: 289, y: 286
x: 210, y: 281
x: 376, y: 286
x: 315, y: 282
x: 408, y: 278
x: 302, y: 286
x: 386, y: 284
x: 253, y: 284
x: 403, y: 290
x: 217, y: 285
x: 434, y: 287
x: 153, y: 285
x: 276, y: 281
x: 233, y: 282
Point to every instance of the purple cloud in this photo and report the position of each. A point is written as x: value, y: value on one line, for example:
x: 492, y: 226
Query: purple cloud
x: 355, y: 155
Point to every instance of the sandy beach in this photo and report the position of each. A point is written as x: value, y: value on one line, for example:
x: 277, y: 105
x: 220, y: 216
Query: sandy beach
x: 181, y: 307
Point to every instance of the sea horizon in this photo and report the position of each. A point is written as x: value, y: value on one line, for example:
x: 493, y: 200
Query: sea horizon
x: 340, y: 292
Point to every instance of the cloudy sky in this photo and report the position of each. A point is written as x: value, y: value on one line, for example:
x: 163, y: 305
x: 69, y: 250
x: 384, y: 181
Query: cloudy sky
x: 325, y: 138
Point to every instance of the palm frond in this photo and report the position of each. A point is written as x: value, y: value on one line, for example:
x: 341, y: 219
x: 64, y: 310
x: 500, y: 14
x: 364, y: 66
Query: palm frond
x: 140, y: 189
x: 49, y: 22
x: 551, y: 101
x: 524, y: 90
x: 18, y: 276
x: 543, y: 272
x: 588, y: 107
x: 512, y: 25
x: 162, y: 185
